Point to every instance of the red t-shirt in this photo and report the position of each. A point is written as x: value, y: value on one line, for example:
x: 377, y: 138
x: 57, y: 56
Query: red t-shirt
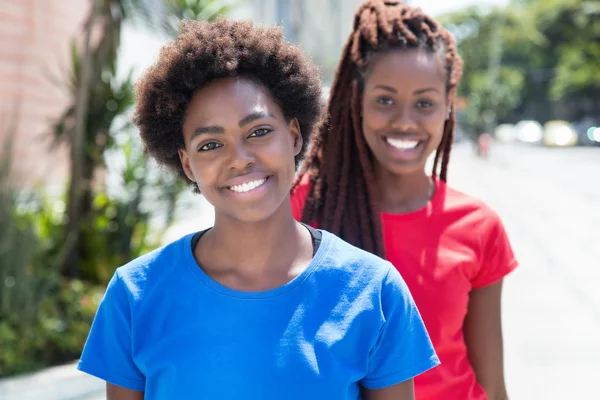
x: 454, y: 244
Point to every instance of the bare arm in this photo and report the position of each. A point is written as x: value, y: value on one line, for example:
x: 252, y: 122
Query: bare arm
x: 114, y: 392
x: 483, y: 337
x: 401, y: 391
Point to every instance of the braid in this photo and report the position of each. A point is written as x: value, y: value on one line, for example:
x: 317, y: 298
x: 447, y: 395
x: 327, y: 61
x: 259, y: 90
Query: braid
x: 370, y: 221
x: 342, y: 198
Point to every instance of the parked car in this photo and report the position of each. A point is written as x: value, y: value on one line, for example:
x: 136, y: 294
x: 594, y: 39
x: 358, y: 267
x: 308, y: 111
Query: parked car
x: 588, y: 132
x: 559, y: 134
x: 529, y: 131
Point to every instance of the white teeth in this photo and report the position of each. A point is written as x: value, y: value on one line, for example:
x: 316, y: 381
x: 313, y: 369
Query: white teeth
x: 403, y: 144
x: 248, y: 186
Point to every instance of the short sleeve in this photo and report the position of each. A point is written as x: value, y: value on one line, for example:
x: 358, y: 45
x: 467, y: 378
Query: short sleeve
x: 497, y: 257
x: 108, y: 351
x: 403, y: 349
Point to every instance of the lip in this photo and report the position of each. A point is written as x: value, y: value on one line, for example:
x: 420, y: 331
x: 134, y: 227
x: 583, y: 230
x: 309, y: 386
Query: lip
x: 404, y: 154
x: 240, y: 180
x: 404, y: 136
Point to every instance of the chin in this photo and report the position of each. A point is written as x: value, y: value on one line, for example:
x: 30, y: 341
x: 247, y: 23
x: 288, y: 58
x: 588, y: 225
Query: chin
x: 252, y: 213
x: 403, y: 167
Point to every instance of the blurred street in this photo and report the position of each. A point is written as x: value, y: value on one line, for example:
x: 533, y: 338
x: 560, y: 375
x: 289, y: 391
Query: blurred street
x: 549, y: 201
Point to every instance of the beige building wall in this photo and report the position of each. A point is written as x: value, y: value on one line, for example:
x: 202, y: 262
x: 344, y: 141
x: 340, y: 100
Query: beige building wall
x: 34, y: 66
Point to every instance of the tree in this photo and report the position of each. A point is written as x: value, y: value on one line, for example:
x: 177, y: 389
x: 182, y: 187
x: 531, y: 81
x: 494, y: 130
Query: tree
x: 177, y: 10
x: 547, y: 67
x: 99, y: 98
x: 495, y: 45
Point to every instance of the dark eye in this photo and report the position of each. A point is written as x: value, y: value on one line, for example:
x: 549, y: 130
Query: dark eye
x: 386, y: 101
x: 210, y: 146
x: 260, y: 132
x: 424, y: 104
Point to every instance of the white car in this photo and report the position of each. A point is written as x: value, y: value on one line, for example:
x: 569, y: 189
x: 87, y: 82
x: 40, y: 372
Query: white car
x: 559, y: 134
x: 529, y: 131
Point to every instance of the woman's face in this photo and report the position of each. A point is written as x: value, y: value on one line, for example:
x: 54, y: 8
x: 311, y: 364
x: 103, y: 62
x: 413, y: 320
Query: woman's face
x: 239, y: 149
x: 404, y: 108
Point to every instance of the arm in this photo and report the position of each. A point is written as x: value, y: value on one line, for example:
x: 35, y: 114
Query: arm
x: 483, y: 337
x: 114, y: 392
x: 401, y: 391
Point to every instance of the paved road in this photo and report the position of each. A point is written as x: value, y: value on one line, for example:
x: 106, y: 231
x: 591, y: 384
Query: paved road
x: 549, y: 200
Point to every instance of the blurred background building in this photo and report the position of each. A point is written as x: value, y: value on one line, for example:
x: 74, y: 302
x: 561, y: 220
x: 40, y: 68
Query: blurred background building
x: 35, y: 56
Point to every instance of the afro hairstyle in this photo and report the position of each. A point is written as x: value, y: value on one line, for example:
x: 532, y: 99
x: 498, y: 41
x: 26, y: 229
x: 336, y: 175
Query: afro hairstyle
x: 206, y: 51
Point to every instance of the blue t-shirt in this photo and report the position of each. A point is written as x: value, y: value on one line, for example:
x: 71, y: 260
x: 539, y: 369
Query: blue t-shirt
x: 166, y: 328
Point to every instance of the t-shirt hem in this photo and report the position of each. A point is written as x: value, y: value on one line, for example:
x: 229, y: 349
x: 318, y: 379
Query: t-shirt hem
x: 115, y: 379
x: 495, y: 278
x: 400, y: 377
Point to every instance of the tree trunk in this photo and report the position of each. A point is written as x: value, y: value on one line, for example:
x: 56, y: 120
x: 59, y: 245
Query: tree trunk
x: 76, y: 188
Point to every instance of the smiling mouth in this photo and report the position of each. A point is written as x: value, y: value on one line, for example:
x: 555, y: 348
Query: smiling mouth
x: 403, y: 144
x: 248, y: 186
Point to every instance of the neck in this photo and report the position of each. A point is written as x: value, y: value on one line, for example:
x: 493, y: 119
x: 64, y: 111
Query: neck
x: 400, y: 194
x: 257, y: 247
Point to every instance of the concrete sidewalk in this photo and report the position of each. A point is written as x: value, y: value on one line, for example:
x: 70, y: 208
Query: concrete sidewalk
x: 57, y: 383
x: 551, y: 303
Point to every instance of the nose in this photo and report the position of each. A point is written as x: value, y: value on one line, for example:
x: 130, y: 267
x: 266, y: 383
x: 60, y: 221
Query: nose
x: 241, y: 156
x: 404, y: 119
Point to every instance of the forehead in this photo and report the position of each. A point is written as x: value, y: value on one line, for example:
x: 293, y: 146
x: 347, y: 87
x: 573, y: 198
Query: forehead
x: 228, y: 97
x: 403, y: 68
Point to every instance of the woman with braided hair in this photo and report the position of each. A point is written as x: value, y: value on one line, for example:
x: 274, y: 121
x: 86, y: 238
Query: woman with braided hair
x: 364, y: 178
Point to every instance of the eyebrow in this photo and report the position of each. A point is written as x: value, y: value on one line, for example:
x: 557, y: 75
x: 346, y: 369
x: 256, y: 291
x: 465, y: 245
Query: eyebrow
x: 392, y: 90
x: 244, y: 121
x: 253, y: 117
x: 425, y: 90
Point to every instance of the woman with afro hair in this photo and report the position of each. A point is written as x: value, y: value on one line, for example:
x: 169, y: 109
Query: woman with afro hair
x: 366, y: 180
x: 259, y: 306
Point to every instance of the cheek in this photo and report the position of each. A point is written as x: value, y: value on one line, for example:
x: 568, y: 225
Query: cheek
x: 279, y: 157
x: 281, y: 154
x: 372, y: 122
x: 206, y: 172
x: 435, y: 125
x: 280, y: 146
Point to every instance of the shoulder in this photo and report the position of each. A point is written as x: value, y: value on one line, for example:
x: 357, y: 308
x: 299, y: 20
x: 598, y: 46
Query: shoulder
x: 150, y: 269
x: 469, y: 208
x: 356, y: 268
x: 479, y: 224
x: 354, y: 284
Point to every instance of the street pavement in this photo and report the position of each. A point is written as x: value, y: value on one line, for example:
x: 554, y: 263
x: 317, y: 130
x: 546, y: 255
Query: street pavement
x: 549, y: 200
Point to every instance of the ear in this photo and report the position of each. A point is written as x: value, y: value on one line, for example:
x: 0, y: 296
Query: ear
x: 185, y: 163
x: 296, y: 135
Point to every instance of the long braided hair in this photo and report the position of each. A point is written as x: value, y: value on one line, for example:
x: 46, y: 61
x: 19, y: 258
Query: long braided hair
x: 339, y: 163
